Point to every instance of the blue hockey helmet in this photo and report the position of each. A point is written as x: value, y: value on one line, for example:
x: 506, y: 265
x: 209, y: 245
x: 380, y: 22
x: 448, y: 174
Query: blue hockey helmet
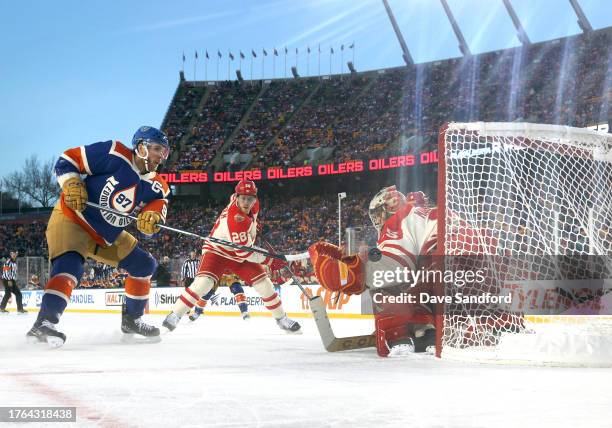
x: 149, y: 135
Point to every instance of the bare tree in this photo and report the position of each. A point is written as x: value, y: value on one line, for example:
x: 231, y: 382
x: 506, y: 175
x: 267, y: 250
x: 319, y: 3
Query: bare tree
x: 35, y: 182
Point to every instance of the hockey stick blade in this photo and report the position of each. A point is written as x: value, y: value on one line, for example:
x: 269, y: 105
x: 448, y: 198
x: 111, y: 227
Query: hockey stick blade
x: 331, y: 343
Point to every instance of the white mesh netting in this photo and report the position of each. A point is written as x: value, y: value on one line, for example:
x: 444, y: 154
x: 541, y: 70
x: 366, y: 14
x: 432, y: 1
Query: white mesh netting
x: 515, y: 194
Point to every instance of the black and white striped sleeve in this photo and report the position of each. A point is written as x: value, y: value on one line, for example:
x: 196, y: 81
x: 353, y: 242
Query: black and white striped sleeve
x: 10, y: 271
x: 189, y: 269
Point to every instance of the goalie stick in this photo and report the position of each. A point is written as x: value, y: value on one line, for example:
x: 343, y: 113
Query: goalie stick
x: 331, y: 343
x: 286, y: 257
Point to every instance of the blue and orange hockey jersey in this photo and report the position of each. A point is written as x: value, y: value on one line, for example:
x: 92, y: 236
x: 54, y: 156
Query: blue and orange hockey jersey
x: 112, y: 180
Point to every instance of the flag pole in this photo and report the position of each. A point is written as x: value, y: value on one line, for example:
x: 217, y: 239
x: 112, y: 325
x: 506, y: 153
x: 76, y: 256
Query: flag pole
x: 319, y: 60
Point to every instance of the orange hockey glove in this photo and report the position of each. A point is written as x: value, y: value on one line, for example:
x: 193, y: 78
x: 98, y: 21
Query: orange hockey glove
x: 147, y: 222
x: 75, y: 194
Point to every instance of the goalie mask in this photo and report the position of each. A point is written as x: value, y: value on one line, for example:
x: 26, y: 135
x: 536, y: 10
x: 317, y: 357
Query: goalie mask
x: 384, y: 204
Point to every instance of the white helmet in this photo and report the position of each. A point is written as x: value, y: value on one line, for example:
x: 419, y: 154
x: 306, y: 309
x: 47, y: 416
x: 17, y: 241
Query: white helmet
x: 384, y: 204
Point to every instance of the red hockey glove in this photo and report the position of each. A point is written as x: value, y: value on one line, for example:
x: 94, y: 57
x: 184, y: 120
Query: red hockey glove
x: 275, y: 264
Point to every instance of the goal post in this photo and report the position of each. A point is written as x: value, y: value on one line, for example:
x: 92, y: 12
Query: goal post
x: 532, y: 205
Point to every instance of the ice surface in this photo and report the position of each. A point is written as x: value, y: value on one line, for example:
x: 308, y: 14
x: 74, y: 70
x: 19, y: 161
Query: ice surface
x: 225, y: 372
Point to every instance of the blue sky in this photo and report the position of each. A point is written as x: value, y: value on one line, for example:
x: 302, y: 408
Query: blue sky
x: 73, y: 72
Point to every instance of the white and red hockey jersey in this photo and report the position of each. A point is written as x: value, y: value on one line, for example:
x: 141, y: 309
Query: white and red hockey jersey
x: 235, y: 226
x: 409, y: 233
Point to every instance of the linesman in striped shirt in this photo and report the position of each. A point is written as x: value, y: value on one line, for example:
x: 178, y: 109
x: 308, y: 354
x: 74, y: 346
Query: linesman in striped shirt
x: 189, y: 269
x: 9, y: 279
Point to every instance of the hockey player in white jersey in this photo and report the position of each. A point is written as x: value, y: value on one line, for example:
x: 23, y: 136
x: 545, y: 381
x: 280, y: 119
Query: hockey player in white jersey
x: 238, y: 223
x: 407, y: 229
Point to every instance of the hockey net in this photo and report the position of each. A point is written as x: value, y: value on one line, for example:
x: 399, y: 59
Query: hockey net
x: 530, y: 204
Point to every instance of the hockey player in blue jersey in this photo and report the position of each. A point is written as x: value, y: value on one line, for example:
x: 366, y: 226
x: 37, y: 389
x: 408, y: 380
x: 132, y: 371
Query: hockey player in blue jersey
x: 121, y: 178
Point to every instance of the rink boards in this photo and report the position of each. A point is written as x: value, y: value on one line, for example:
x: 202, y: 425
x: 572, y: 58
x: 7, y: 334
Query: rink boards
x: 223, y: 303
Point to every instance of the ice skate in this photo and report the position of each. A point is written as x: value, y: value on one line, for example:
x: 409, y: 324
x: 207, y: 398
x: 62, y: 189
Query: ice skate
x: 22, y: 312
x: 44, y: 331
x: 425, y: 339
x: 290, y: 326
x: 171, y: 321
x: 195, y: 315
x: 3, y: 311
x: 402, y: 348
x: 246, y: 316
x: 131, y: 326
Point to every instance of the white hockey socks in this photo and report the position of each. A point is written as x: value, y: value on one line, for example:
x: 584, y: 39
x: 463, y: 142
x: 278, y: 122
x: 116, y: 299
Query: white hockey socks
x: 270, y: 297
x: 198, y: 288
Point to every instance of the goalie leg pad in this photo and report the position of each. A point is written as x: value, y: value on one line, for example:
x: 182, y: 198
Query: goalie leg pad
x: 391, y: 329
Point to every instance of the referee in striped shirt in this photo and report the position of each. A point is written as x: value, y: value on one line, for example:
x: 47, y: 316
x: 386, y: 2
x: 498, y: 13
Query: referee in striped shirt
x: 189, y: 269
x: 9, y: 279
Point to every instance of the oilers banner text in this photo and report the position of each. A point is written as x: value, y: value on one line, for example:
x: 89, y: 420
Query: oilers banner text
x: 275, y: 173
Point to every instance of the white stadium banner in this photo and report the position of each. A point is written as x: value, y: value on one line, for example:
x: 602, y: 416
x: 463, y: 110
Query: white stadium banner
x: 162, y: 299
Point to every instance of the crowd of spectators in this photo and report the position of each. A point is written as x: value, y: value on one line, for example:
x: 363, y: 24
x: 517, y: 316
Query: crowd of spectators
x: 397, y: 111
x: 208, y: 123
x: 27, y: 238
x: 270, y: 113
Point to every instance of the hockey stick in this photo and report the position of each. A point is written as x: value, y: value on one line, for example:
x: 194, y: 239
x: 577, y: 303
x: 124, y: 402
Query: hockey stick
x: 286, y: 257
x: 331, y: 343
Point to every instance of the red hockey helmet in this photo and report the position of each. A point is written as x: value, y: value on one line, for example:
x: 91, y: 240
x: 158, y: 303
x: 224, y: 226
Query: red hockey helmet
x: 246, y: 187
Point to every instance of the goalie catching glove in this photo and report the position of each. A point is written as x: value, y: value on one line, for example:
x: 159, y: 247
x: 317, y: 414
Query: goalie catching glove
x: 75, y: 194
x: 147, y: 222
x: 335, y: 272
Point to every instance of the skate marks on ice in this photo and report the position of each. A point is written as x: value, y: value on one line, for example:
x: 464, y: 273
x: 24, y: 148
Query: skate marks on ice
x: 224, y: 372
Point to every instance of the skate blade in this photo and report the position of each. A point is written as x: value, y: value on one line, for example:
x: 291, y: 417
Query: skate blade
x: 54, y: 342
x: 163, y: 330
x: 33, y: 340
x: 294, y: 333
x: 138, y: 340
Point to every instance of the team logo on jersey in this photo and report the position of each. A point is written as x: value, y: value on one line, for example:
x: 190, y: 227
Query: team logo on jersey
x: 239, y: 218
x: 123, y: 200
